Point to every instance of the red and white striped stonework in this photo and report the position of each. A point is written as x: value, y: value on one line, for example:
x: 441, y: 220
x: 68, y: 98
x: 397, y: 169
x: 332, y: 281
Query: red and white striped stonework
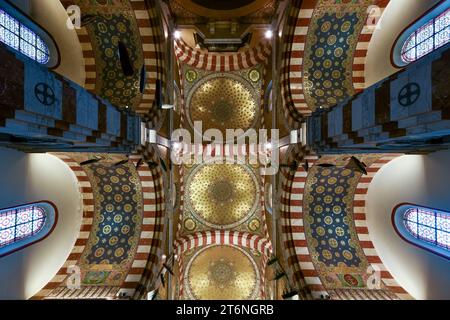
x: 300, y: 265
x: 222, y: 62
x: 294, y: 39
x: 359, y: 61
x: 149, y: 248
x: 152, y: 37
x: 297, y: 25
x: 85, y: 229
x: 359, y: 211
x: 222, y: 237
x: 88, y: 53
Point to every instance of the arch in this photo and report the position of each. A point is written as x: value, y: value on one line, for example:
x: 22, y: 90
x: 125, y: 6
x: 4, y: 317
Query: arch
x: 222, y: 237
x: 428, y: 33
x: 23, y: 35
x: 222, y: 62
x: 424, y: 227
x: 359, y: 62
x: 34, y: 222
x: 148, y: 18
x: 295, y: 248
x: 225, y: 237
x: 294, y: 39
x: 150, y: 247
x: 85, y: 229
x: 359, y: 216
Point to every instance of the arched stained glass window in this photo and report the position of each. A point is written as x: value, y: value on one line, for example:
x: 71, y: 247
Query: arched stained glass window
x: 425, y: 227
x: 21, y: 38
x: 20, y: 33
x: 429, y: 33
x: 23, y: 225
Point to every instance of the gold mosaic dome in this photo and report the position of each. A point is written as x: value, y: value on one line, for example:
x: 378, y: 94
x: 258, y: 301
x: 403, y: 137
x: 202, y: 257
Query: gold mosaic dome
x: 222, y: 273
x: 222, y: 195
x: 223, y: 103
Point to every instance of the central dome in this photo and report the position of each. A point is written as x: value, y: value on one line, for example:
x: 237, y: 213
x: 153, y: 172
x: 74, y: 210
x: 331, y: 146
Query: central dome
x: 222, y: 273
x: 223, y: 103
x: 222, y: 195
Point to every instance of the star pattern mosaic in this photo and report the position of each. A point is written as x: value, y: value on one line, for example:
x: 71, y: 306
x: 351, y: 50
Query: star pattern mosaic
x: 329, y: 53
x: 117, y: 223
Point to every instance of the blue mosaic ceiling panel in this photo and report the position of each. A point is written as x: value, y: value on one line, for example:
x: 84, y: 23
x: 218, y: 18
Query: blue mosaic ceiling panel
x: 329, y: 224
x: 114, y: 22
x: 330, y: 46
x: 112, y: 84
x: 117, y: 223
x: 329, y: 217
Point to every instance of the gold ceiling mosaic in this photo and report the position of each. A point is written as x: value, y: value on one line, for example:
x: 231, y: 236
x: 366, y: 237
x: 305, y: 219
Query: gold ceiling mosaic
x: 222, y: 273
x: 223, y: 100
x: 222, y: 196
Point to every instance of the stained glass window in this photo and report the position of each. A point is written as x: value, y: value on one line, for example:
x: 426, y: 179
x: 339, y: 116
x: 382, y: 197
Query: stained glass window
x: 23, y: 225
x: 19, y: 37
x: 424, y: 227
x: 17, y: 224
x: 430, y: 36
x: 428, y: 225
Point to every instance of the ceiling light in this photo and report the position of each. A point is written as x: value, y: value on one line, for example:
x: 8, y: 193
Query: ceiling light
x: 177, y: 34
x: 268, y: 34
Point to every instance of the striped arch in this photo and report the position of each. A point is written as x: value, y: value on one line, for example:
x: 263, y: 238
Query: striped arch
x: 296, y: 247
x: 151, y: 33
x: 359, y: 211
x: 223, y: 237
x: 150, y: 26
x: 88, y: 53
x: 222, y: 62
x: 359, y: 62
x: 85, y: 229
x: 299, y: 264
x: 297, y: 26
x: 294, y: 39
x: 149, y: 248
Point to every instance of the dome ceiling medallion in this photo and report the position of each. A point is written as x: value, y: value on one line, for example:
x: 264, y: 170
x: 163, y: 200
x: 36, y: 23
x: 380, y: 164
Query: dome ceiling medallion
x: 223, y: 102
x: 222, y: 195
x: 222, y: 273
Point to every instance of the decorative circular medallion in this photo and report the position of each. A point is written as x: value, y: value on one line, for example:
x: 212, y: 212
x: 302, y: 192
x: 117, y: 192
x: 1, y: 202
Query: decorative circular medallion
x: 223, y: 101
x: 254, y: 225
x: 189, y: 224
x: 409, y: 94
x: 222, y: 273
x: 254, y: 75
x: 44, y: 94
x: 191, y: 75
x: 222, y: 195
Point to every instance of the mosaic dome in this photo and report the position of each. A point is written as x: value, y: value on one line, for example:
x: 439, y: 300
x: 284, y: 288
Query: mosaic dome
x: 222, y: 195
x: 222, y: 103
x: 222, y: 273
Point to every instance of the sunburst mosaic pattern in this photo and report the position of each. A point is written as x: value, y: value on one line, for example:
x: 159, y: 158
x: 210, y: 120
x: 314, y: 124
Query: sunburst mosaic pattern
x: 222, y: 195
x: 223, y: 102
x: 222, y: 273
